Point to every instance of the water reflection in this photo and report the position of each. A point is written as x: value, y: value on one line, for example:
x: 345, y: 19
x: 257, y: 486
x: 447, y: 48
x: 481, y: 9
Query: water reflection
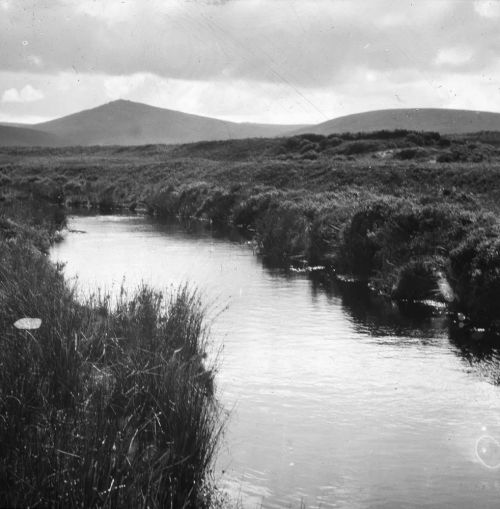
x: 379, y: 316
x: 479, y: 352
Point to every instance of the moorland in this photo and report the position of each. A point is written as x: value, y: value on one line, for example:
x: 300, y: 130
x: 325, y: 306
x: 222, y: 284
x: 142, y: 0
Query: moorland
x: 414, y: 214
x: 113, y: 404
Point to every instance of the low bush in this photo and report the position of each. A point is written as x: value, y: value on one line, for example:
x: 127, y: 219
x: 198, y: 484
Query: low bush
x: 475, y: 273
x: 417, y: 280
x: 249, y: 209
x: 410, y: 153
x: 218, y: 206
x: 282, y: 233
x: 359, y: 147
x: 360, y: 246
x: 384, y: 236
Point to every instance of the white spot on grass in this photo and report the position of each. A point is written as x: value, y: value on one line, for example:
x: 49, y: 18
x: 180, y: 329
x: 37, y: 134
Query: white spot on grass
x: 28, y: 323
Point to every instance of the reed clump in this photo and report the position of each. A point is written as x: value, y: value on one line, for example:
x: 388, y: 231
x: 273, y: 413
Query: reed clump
x: 107, y: 404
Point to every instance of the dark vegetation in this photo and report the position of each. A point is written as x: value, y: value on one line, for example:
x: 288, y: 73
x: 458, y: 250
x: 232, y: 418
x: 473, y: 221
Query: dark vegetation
x: 413, y: 213
x: 106, y: 404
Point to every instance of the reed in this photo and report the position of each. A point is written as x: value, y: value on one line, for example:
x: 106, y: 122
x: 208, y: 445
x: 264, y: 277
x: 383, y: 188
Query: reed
x: 108, y: 403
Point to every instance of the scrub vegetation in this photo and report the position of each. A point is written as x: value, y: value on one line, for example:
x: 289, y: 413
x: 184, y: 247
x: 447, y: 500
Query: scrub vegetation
x: 106, y: 404
x: 412, y: 213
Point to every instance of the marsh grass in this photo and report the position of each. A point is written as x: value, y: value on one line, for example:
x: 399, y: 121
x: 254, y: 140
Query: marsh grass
x: 32, y: 221
x: 104, y: 405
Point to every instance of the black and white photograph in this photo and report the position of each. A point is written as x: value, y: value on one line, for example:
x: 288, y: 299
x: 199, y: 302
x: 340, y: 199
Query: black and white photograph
x: 250, y: 254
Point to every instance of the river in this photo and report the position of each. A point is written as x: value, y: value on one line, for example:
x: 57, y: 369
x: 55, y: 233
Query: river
x: 335, y: 397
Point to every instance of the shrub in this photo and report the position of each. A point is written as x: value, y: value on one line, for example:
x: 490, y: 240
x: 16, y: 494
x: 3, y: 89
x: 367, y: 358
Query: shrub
x: 410, y: 153
x: 246, y: 212
x: 475, y: 273
x: 423, y: 138
x: 325, y: 236
x: 385, y: 235
x: 312, y: 137
x: 218, y: 205
x: 331, y: 141
x: 417, y: 280
x: 5, y: 180
x: 360, y: 246
x: 282, y: 233
x: 360, y: 147
x: 106, y: 199
x: 310, y: 154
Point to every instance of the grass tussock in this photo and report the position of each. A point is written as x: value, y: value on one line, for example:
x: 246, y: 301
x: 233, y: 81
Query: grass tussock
x: 103, y: 405
x: 37, y: 223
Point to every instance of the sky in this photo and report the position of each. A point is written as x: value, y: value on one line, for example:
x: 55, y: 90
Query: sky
x: 273, y: 61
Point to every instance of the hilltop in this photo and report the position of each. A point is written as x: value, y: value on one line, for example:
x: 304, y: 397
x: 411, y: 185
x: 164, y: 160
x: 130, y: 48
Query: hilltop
x: 129, y: 123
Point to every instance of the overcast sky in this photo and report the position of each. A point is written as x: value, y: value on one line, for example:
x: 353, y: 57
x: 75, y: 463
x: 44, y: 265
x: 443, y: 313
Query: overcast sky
x: 279, y: 61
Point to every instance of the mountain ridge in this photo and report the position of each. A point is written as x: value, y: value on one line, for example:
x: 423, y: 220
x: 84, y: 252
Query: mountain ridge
x: 124, y: 122
x: 14, y: 135
x: 442, y: 120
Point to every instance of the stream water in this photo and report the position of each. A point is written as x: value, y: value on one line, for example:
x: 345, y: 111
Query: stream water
x: 336, y: 398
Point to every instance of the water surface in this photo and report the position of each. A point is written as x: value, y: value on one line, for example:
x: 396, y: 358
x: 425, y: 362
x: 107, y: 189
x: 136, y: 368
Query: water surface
x: 337, y: 399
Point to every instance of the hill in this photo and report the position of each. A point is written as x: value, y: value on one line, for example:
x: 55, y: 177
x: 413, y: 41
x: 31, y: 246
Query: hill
x: 128, y: 123
x: 439, y: 120
x: 26, y: 137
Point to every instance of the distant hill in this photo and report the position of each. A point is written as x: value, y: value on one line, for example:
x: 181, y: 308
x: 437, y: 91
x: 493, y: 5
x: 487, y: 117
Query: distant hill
x: 26, y: 137
x: 426, y: 119
x: 13, y: 124
x: 129, y: 123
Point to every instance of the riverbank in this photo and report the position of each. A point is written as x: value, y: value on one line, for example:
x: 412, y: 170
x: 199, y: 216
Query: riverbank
x: 404, y: 248
x: 101, y: 404
x: 413, y: 214
x: 316, y: 371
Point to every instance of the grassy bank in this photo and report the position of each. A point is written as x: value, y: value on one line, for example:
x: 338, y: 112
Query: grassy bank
x: 108, y: 406
x: 413, y: 214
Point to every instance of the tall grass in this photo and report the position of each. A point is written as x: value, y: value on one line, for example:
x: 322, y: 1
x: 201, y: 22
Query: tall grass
x: 109, y: 406
x: 32, y: 221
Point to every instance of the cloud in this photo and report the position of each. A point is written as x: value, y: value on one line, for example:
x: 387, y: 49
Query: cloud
x: 120, y: 87
x: 35, y: 61
x: 307, y: 43
x: 453, y: 56
x: 111, y: 11
x: 487, y: 8
x: 24, y: 95
x: 259, y: 60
